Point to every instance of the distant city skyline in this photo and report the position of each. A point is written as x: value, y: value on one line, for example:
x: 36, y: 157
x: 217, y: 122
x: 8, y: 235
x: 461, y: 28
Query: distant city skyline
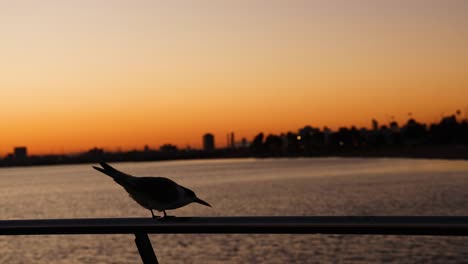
x: 124, y: 74
x: 207, y: 140
x: 446, y: 139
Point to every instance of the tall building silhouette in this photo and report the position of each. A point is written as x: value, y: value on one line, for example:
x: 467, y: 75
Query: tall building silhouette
x: 233, y: 142
x: 20, y: 153
x: 375, y: 125
x: 208, y: 142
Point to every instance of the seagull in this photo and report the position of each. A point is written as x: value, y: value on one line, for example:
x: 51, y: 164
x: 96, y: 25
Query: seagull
x: 153, y: 193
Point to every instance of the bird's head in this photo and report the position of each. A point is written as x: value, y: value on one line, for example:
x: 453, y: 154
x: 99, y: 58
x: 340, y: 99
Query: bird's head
x: 194, y: 197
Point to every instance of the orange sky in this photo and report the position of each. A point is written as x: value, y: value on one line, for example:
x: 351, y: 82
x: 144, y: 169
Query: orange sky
x: 122, y: 74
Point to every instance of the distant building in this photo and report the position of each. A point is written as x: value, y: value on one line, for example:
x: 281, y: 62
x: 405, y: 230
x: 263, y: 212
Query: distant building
x: 20, y: 153
x: 244, y: 143
x: 96, y: 151
x: 168, y: 148
x: 327, y: 134
x: 375, y: 125
x: 233, y: 141
x: 95, y: 154
x: 208, y: 142
x: 394, y: 127
x: 147, y: 148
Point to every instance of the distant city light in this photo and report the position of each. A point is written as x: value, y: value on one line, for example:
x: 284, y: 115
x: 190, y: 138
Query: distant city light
x: 299, y: 137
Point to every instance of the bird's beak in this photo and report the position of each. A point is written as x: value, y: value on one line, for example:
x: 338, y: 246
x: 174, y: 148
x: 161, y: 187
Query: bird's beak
x: 200, y: 201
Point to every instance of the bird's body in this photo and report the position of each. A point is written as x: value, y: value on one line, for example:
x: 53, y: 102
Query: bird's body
x: 152, y: 193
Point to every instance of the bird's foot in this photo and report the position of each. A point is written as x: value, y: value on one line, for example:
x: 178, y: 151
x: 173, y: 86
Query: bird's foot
x: 165, y: 217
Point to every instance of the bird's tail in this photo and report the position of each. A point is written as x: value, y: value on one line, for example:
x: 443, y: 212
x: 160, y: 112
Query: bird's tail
x: 115, y: 174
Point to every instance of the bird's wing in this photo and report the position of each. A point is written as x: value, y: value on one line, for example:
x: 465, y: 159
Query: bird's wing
x: 159, y: 188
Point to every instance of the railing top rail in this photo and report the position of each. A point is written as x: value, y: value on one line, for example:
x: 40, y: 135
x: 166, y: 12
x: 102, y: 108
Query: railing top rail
x: 376, y: 225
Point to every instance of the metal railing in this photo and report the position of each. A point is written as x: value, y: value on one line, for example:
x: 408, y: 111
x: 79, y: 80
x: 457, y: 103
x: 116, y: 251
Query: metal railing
x: 141, y: 227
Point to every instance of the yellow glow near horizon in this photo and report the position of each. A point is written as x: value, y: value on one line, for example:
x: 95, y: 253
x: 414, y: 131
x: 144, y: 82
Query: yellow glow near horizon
x: 79, y: 74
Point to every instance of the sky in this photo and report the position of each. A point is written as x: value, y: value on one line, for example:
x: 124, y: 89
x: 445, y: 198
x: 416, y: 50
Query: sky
x: 123, y: 74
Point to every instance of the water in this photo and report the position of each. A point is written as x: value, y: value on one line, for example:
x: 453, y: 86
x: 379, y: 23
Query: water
x: 331, y: 186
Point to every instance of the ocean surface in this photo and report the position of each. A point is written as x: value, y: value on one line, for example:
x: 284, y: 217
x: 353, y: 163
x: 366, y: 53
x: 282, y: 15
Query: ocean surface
x: 243, y: 187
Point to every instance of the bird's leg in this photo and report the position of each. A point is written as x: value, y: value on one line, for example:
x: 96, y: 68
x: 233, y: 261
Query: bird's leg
x: 154, y: 217
x: 166, y: 217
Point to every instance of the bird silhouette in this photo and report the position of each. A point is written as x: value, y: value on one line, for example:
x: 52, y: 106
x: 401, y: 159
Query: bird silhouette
x: 153, y: 193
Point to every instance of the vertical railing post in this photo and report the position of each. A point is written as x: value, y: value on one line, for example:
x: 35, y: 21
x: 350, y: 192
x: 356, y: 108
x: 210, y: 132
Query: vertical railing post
x: 145, y: 248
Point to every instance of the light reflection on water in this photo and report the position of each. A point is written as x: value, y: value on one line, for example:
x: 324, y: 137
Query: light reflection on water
x: 331, y: 186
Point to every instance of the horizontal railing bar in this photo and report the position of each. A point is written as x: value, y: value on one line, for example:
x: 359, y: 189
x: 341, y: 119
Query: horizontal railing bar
x: 358, y: 225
